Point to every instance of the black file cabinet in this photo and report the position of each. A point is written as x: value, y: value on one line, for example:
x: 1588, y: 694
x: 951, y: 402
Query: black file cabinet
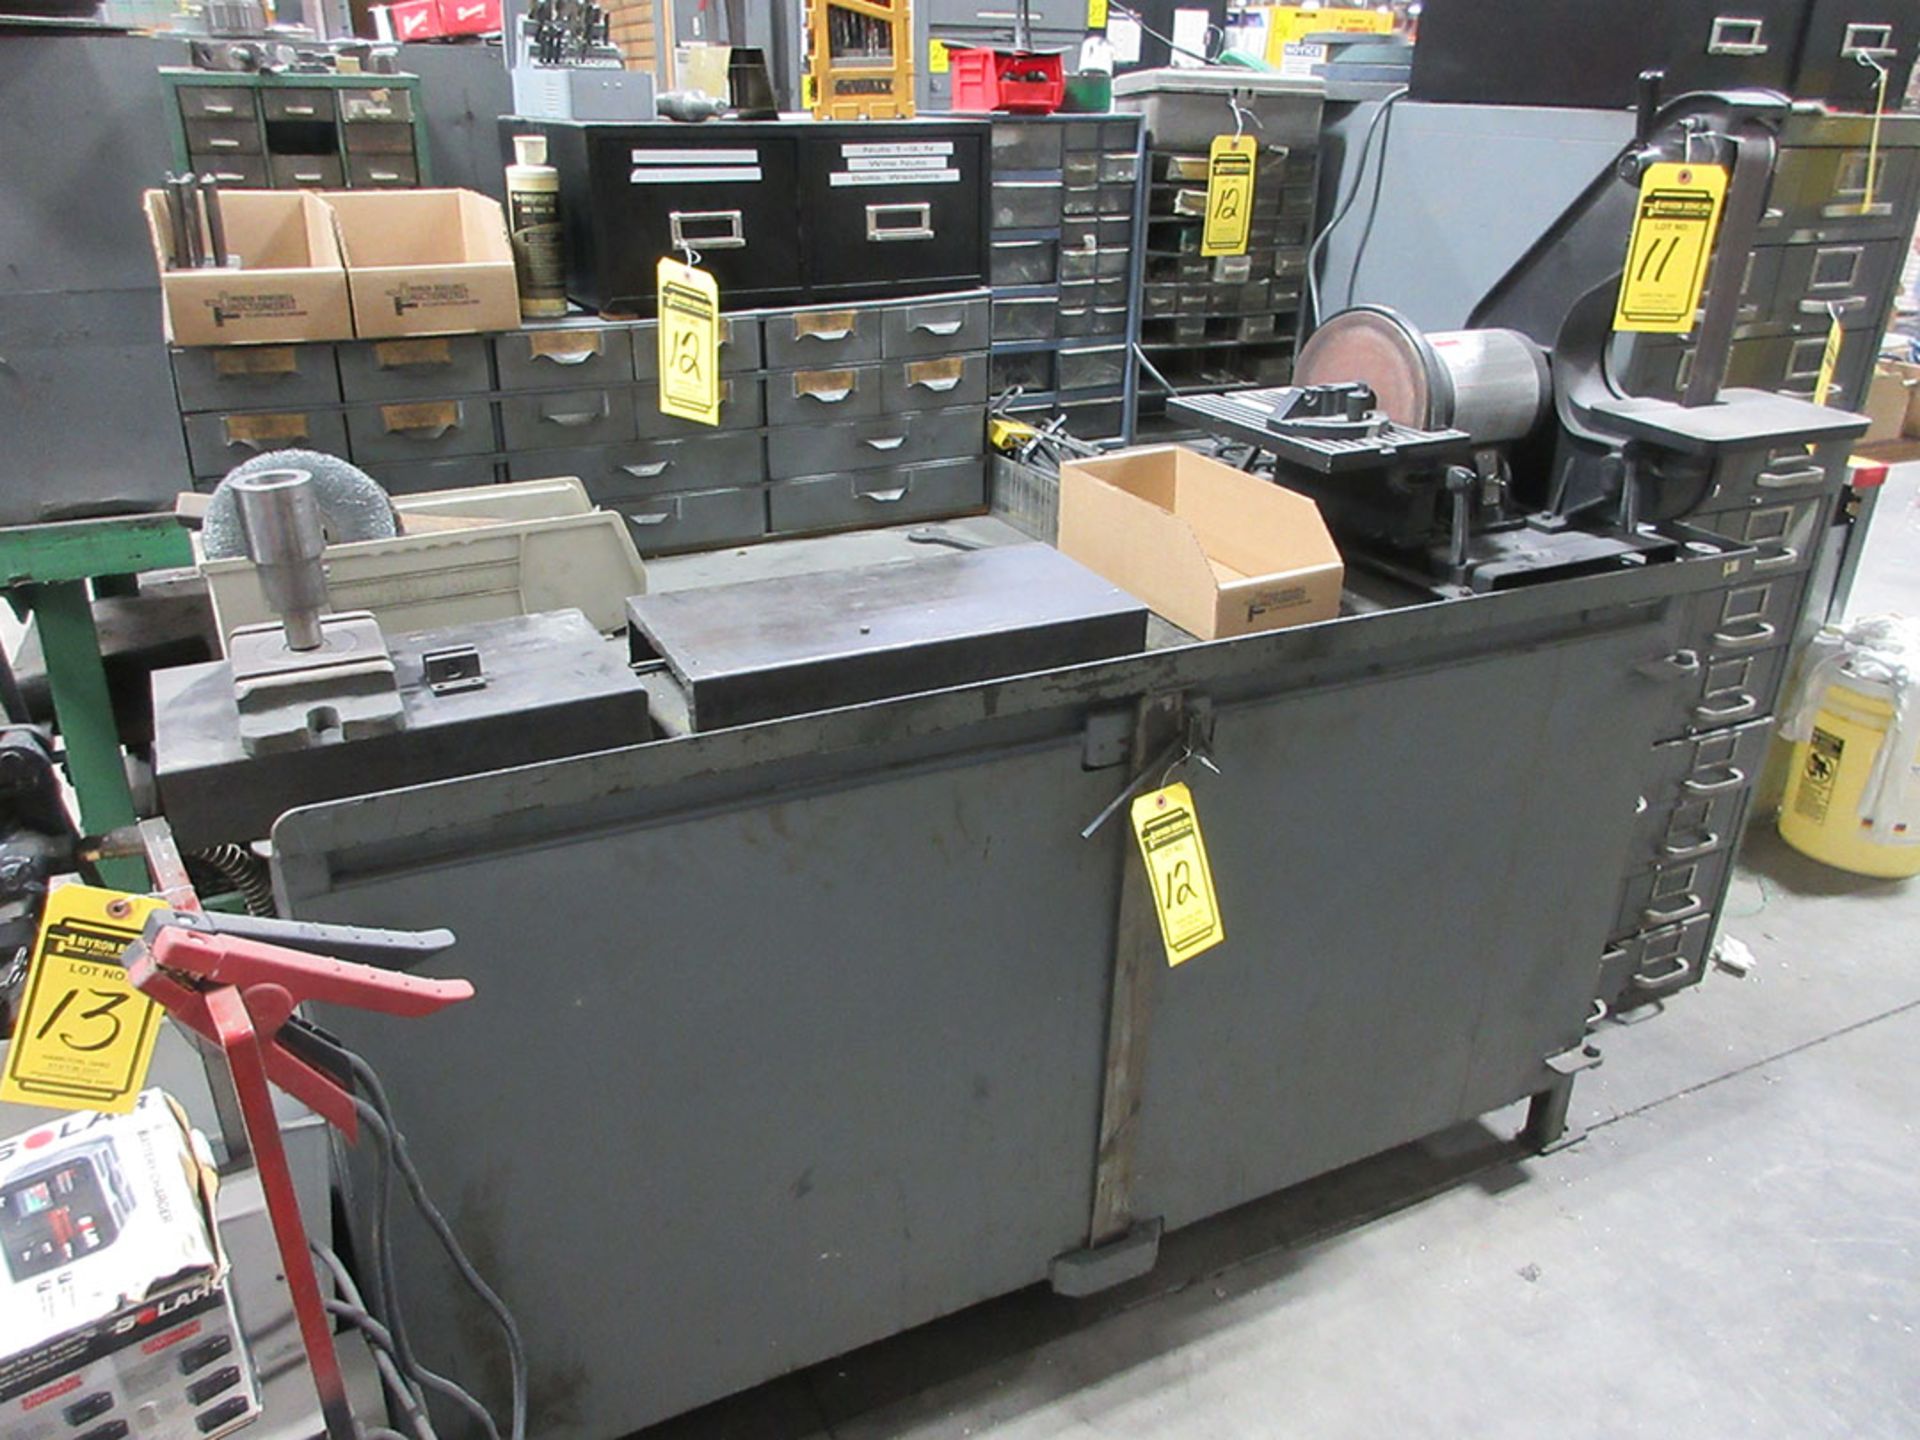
x: 781, y: 213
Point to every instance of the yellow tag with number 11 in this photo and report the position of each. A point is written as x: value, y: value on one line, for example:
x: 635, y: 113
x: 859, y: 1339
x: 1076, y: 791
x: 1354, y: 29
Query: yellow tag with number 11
x: 689, y: 343
x: 1230, y: 162
x: 1673, y: 230
x: 1168, y: 830
x: 84, y: 1037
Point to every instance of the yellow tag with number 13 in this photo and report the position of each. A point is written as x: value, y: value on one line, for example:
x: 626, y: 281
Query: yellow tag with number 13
x: 1165, y: 824
x: 84, y: 1037
x: 1230, y: 162
x: 689, y: 343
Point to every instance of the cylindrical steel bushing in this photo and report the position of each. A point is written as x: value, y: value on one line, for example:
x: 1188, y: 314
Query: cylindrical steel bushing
x: 286, y: 540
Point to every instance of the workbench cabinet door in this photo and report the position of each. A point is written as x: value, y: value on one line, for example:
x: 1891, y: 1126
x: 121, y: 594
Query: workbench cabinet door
x: 730, y: 200
x: 894, y: 210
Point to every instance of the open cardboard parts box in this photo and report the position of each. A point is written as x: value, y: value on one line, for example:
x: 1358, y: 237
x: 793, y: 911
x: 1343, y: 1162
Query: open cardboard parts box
x: 340, y: 264
x: 1215, y: 551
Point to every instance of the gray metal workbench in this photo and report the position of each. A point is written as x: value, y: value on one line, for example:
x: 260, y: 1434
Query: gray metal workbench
x: 794, y: 1035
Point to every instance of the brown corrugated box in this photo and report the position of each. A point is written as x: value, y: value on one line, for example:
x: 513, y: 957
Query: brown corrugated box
x: 425, y: 262
x: 1216, y: 551
x: 1893, y: 402
x: 290, y: 284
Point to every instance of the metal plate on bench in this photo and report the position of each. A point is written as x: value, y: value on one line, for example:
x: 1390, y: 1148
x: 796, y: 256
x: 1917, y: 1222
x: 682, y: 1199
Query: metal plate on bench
x: 763, y: 649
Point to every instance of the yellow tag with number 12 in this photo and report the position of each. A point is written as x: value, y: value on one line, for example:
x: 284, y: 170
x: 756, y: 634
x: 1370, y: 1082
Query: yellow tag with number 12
x: 1230, y: 162
x: 1165, y: 824
x: 85, y: 1036
x: 689, y: 343
x: 1673, y: 230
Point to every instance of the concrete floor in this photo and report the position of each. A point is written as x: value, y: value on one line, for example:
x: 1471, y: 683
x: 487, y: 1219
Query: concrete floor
x: 1733, y: 1250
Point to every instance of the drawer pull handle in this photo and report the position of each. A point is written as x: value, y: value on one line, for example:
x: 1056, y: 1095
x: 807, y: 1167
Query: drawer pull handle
x: 1733, y: 35
x: 890, y: 442
x: 219, y: 107
x: 1852, y: 209
x: 826, y: 397
x: 308, y: 177
x: 384, y: 177
x: 1732, y: 780
x: 1873, y: 41
x: 1735, y: 710
x: 1688, y: 904
x: 567, y: 357
x: 939, y: 327
x: 939, y: 386
x: 1790, y: 479
x: 1788, y: 554
x: 573, y: 419
x: 222, y: 142
x: 424, y: 432
x: 299, y: 109
x: 831, y: 337
x: 648, y: 470
x: 658, y: 517
x: 1824, y: 307
x: 918, y: 226
x: 885, y: 497
x: 1681, y: 967
x: 732, y: 237
x: 1762, y: 631
x: 1704, y: 845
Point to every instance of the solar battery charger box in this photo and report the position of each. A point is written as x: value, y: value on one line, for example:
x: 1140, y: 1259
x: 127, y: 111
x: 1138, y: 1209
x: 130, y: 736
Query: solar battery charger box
x: 115, y: 1318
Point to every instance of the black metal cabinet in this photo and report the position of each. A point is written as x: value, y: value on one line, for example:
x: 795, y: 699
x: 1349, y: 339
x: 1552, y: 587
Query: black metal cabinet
x: 633, y: 193
x: 893, y: 213
x: 780, y: 213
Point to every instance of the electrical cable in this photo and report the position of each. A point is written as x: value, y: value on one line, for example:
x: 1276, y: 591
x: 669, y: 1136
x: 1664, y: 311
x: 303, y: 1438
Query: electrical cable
x: 1153, y: 370
x: 377, y: 1115
x: 382, y: 1339
x: 405, y: 1396
x: 1340, y: 210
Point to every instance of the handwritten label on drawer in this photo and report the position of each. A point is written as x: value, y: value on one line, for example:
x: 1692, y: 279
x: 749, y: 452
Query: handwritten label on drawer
x: 405, y: 354
x: 258, y: 430
x: 566, y: 346
x: 937, y: 375
x: 256, y: 360
x: 428, y: 418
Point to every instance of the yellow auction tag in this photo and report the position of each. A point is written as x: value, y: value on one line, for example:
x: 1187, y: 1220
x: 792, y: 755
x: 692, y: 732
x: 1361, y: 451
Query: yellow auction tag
x: 85, y: 1036
x: 1229, y: 195
x: 1168, y: 830
x: 1096, y: 14
x: 1829, y: 361
x: 1673, y: 232
x: 689, y: 343
x: 939, y: 62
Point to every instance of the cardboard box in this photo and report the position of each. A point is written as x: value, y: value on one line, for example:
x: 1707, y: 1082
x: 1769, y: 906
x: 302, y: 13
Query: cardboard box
x: 115, y: 1316
x: 1210, y: 548
x: 290, y: 283
x: 469, y: 17
x: 425, y: 262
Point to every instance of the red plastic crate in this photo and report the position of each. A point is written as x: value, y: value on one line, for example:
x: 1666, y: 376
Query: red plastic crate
x: 1013, y: 82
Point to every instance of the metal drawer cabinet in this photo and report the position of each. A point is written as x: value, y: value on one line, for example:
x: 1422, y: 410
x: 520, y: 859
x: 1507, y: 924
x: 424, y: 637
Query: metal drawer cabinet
x: 552, y: 418
x: 1786, y: 532
x: 216, y: 102
x: 741, y: 408
x: 1752, y: 615
x: 415, y: 477
x: 1820, y: 192
x: 305, y: 172
x: 1725, y: 692
x: 239, y: 136
x: 1026, y: 204
x: 302, y: 103
x: 233, y: 377
x: 893, y: 209
x: 933, y: 327
x: 805, y: 339
x: 1782, y: 475
x: 740, y: 350
x: 379, y: 138
x: 236, y: 172
x: 570, y: 355
x: 944, y: 381
x: 1852, y: 278
x: 1030, y: 370
x: 420, y: 430
x: 612, y: 473
x: 218, y: 441
x: 695, y: 519
x: 1687, y: 781
x: 1673, y: 893
x: 1025, y: 319
x: 375, y: 103
x: 1655, y: 962
x: 377, y: 172
x: 806, y: 397
x: 1093, y: 369
x: 430, y: 367
x: 1023, y: 262
x: 877, y: 497
x: 891, y: 440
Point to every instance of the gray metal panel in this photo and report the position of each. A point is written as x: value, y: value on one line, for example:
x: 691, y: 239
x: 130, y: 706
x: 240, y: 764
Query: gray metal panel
x: 855, y: 1083
x: 1426, y: 245
x: 463, y: 92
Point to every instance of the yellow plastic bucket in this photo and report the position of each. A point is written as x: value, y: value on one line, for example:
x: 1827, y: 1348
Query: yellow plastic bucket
x: 1823, y: 814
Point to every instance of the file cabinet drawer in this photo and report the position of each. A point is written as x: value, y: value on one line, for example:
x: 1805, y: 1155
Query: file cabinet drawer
x: 552, y: 418
x: 420, y: 430
x: 892, y: 496
x: 427, y: 367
